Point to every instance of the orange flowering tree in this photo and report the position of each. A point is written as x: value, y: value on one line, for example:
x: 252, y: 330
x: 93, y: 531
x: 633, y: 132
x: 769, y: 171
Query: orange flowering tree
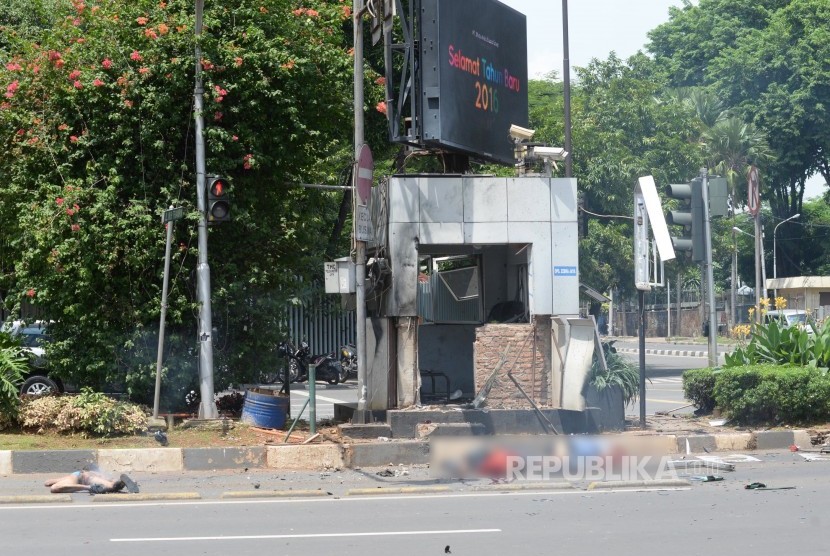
x: 97, y: 133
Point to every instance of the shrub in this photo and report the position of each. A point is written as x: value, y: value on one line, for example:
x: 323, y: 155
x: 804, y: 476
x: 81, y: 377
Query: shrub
x: 621, y: 372
x: 89, y: 413
x: 773, y: 394
x: 784, y: 345
x: 12, y: 369
x: 699, y: 386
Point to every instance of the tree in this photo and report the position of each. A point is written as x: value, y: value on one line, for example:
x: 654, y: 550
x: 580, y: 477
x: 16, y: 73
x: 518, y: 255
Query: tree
x: 96, y: 125
x: 767, y: 62
x: 624, y: 128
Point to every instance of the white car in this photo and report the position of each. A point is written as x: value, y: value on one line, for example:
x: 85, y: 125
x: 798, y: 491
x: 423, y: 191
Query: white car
x: 33, y: 338
x: 790, y: 317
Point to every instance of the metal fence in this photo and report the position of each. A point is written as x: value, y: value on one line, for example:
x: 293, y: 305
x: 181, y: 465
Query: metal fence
x: 322, y: 324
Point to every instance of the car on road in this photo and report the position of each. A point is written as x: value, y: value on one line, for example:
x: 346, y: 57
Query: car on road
x: 33, y: 338
x: 787, y: 318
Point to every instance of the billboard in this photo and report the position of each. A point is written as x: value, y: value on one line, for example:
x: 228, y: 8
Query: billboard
x: 473, y: 56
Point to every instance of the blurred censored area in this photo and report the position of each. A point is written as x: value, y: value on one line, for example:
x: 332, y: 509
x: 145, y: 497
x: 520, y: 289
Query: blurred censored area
x: 593, y: 458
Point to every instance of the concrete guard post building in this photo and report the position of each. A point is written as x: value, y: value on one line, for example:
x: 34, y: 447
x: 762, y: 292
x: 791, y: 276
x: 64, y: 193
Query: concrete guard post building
x: 466, y: 271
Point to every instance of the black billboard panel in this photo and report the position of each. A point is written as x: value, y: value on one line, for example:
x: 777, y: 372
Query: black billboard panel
x: 473, y: 76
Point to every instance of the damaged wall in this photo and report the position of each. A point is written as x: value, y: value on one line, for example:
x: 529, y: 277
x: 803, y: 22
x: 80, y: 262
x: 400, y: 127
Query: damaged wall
x: 528, y: 360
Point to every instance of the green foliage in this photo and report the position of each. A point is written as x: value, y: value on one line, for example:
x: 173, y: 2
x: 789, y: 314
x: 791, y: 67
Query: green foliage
x: 774, y: 394
x: 96, y: 128
x: 773, y: 343
x: 766, y: 60
x: 699, y: 386
x: 12, y: 369
x: 762, y: 393
x: 620, y: 372
x: 89, y: 413
x: 624, y: 127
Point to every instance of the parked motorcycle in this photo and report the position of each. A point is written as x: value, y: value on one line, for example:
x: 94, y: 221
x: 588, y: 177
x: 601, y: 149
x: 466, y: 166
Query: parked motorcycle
x: 348, y: 360
x: 329, y: 368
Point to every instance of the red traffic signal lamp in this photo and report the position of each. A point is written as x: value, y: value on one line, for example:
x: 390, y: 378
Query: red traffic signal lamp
x: 219, y: 204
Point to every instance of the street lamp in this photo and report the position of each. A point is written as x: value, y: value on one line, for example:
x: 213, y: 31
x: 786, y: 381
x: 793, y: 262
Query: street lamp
x: 774, y: 261
x: 763, y: 285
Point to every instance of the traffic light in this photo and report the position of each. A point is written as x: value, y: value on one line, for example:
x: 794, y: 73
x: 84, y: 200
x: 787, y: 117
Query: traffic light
x: 219, y: 205
x: 690, y: 216
x: 718, y: 197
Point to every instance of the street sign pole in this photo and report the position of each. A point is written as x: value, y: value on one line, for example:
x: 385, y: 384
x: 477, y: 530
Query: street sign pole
x: 754, y: 205
x: 710, y: 280
x: 168, y: 218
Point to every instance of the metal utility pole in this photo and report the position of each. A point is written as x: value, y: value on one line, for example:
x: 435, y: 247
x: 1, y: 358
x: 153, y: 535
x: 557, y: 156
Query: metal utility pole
x: 207, y: 407
x: 641, y: 295
x: 168, y: 219
x: 733, y: 311
x: 710, y: 281
x: 566, y: 78
x: 775, y: 249
x: 360, y: 246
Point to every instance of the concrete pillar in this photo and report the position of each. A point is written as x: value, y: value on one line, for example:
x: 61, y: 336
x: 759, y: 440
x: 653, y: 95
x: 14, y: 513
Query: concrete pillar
x: 408, y: 375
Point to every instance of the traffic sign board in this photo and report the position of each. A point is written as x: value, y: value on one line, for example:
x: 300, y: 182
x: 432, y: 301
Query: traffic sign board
x: 364, y: 231
x: 365, y: 172
x: 754, y: 196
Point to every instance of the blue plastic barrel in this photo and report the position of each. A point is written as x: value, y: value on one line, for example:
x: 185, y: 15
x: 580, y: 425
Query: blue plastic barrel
x: 265, y: 410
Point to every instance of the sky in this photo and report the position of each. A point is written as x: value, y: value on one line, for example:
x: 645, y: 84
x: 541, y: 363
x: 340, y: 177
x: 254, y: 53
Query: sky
x: 596, y: 28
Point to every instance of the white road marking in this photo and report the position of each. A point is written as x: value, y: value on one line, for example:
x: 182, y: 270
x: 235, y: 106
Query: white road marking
x: 319, y: 397
x: 309, y: 535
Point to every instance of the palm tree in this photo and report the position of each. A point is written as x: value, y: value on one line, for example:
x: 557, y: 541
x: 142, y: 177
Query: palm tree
x: 732, y: 146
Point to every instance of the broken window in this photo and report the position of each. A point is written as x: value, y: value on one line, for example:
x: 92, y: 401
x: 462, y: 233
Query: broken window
x: 449, y: 289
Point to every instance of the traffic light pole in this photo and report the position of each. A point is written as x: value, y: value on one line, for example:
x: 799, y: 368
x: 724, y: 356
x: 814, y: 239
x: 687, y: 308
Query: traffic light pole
x: 207, y: 407
x: 360, y: 246
x: 710, y: 281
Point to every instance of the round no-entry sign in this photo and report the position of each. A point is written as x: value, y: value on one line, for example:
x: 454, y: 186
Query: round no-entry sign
x: 365, y: 171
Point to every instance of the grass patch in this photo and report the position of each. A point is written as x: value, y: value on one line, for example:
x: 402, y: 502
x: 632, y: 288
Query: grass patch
x: 239, y: 435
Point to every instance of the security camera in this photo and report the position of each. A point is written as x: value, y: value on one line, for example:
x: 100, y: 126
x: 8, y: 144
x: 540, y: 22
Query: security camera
x: 550, y: 153
x: 521, y: 133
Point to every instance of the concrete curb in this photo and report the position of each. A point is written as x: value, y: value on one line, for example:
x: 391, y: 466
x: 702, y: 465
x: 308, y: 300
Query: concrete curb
x: 147, y: 497
x: 335, y: 456
x: 397, y: 490
x: 35, y: 499
x: 672, y: 352
x: 5, y: 462
x: 638, y: 484
x: 524, y: 486
x: 411, y: 452
x: 274, y: 493
x: 149, y: 460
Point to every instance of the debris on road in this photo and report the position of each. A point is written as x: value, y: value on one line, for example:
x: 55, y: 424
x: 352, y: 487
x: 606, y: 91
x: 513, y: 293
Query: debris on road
x: 707, y: 478
x: 762, y: 486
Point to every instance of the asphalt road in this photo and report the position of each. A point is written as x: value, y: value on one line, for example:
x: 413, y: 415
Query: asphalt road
x: 716, y: 517
x: 327, y: 396
x: 664, y: 387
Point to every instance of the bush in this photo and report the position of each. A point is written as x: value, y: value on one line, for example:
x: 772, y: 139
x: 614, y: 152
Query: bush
x: 620, y: 372
x: 774, y: 394
x: 12, y: 369
x: 89, y: 413
x: 699, y: 387
x: 773, y: 343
